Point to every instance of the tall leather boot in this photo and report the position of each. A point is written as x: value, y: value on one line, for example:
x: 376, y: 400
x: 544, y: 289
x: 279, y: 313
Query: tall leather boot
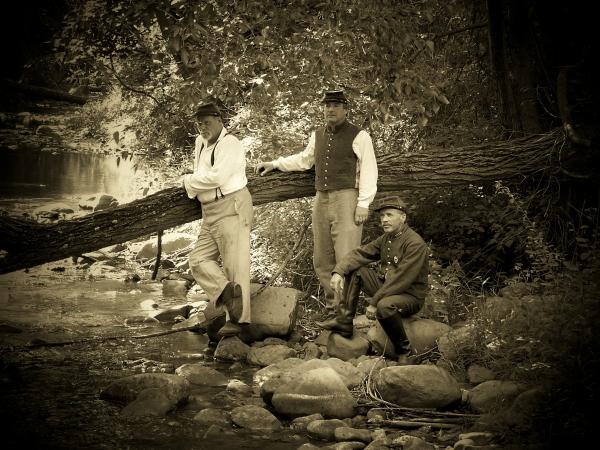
x: 346, y: 310
x: 394, y: 328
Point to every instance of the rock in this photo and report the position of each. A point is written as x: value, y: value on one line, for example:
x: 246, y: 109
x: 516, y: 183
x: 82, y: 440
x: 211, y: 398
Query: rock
x: 422, y: 334
x: 372, y: 365
x: 477, y: 437
x: 344, y: 348
x: 349, y: 374
x: 150, y: 402
x: 316, y: 391
x: 177, y: 288
x: 310, y: 350
x: 168, y: 315
x: 526, y: 407
x: 214, y: 431
x: 52, y: 211
x: 275, y: 370
x: 379, y: 444
x: 451, y: 343
x: 324, y: 429
x: 519, y: 289
x: 269, y: 354
x: 408, y: 442
x: 300, y: 423
x: 127, y: 389
x: 478, y: 374
x: 105, y: 201
x: 353, y: 434
x: 417, y: 386
x: 273, y: 312
x: 232, y: 349
x: 308, y: 446
x: 212, y: 416
x: 201, y: 375
x: 239, y: 387
x: 348, y: 445
x: 493, y: 395
x: 255, y: 418
x: 170, y: 243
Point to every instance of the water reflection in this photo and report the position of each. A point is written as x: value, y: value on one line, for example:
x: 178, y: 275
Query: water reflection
x: 31, y: 174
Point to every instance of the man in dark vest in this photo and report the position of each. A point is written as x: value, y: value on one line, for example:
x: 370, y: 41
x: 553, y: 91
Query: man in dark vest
x: 345, y: 181
x: 396, y: 289
x: 219, y: 183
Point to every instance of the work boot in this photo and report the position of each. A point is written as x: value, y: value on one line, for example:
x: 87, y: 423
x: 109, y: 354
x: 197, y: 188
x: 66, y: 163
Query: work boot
x: 394, y: 328
x: 229, y: 329
x: 346, y: 310
x: 231, y: 298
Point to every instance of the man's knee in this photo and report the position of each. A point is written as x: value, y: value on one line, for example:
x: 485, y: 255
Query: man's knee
x: 404, y: 304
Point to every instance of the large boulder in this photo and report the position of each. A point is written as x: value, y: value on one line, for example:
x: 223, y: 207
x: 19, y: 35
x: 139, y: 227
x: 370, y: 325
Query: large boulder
x: 255, y: 418
x: 422, y: 334
x: 493, y: 395
x: 347, y: 348
x: 451, y: 343
x: 127, y: 389
x: 149, y: 402
x: 201, y: 375
x: 99, y: 202
x: 417, y: 386
x: 231, y: 349
x: 316, y: 391
x: 269, y: 354
x: 273, y: 312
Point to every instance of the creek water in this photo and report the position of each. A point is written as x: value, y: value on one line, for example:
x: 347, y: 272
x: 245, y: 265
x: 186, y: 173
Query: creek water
x: 50, y: 396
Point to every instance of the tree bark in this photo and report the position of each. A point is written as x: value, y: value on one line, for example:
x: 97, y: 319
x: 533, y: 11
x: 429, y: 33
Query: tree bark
x: 28, y: 243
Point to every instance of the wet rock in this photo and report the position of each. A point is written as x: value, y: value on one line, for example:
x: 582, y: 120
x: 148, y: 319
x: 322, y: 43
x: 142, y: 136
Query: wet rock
x: 324, y: 430
x: 478, y: 374
x: 170, y: 243
x: 300, y: 423
x: 344, y: 348
x: 201, y: 375
x: 127, y: 389
x: 408, y: 442
x: 232, y: 349
x: 239, y: 387
x: 353, y: 434
x: 423, y: 335
x: 213, y: 416
x: 270, y: 354
x: 315, y: 391
x: 417, y: 386
x: 168, y: 315
x: 255, y: 418
x: 493, y: 395
x: 310, y: 350
x: 150, y: 402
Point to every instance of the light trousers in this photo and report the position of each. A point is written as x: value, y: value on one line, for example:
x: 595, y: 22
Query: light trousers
x: 334, y: 234
x: 225, y: 233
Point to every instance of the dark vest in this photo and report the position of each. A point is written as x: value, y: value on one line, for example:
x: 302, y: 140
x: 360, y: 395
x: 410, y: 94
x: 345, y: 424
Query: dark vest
x: 335, y: 161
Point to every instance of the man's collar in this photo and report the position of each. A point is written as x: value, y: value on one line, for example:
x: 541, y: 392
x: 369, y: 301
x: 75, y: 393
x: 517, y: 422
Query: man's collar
x: 398, y: 233
x: 221, y: 135
x: 336, y: 128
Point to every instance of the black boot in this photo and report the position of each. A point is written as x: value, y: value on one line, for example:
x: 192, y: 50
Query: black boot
x: 394, y: 328
x: 346, y: 310
x: 231, y: 298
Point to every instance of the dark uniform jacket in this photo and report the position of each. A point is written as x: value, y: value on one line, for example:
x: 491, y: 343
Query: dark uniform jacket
x: 403, y: 263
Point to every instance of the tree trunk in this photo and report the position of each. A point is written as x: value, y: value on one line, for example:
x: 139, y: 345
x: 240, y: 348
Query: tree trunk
x: 28, y: 243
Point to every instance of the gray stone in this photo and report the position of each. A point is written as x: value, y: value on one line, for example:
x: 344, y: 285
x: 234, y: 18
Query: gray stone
x: 212, y: 416
x: 478, y: 374
x: 477, y: 437
x: 308, y: 446
x: 493, y: 395
x: 408, y: 442
x: 201, y: 375
x: 300, y: 423
x: 239, y: 387
x: 451, y: 343
x: 353, y: 434
x: 348, y: 445
x: 310, y: 350
x: 168, y: 315
x: 150, y: 402
x: 324, y: 429
x: 232, y: 349
x: 417, y: 386
x: 255, y: 418
x: 316, y: 391
x: 127, y: 389
x: 371, y: 365
x: 269, y: 354
x: 344, y: 348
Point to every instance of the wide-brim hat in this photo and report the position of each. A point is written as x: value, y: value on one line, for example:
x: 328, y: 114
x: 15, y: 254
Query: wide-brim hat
x: 208, y: 109
x: 392, y: 201
x: 334, y: 96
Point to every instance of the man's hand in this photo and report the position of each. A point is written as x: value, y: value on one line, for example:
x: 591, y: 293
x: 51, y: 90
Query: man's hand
x: 263, y: 168
x: 337, y: 283
x: 360, y: 215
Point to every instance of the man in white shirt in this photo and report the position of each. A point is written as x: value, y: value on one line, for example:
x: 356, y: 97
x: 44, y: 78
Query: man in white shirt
x: 345, y: 181
x: 219, y: 183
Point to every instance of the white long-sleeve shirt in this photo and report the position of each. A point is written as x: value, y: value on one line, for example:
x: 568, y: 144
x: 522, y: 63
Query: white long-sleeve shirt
x: 366, y: 167
x: 227, y: 174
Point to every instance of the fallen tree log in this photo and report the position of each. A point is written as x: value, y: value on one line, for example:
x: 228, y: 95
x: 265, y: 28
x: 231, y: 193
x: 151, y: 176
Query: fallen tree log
x: 27, y: 243
x: 44, y: 92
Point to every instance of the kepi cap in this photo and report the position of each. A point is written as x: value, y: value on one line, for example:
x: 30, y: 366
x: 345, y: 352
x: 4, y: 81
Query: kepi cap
x: 208, y: 109
x: 390, y: 202
x: 334, y: 96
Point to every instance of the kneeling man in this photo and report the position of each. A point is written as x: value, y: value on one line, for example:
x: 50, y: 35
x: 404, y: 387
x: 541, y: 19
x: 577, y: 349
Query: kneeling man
x: 396, y: 288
